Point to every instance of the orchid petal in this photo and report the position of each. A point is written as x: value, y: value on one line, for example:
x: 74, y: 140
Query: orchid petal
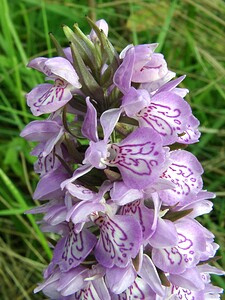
x: 167, y: 114
x: 190, y: 279
x: 122, y: 76
x: 119, y: 241
x: 139, y: 157
x: 186, y: 254
x: 40, y: 131
x: 89, y: 127
x: 138, y: 290
x: 134, y: 101
x: 71, y: 250
x: 144, y: 215
x: 119, y: 279
x: 150, y: 275
x: 122, y: 195
x: 45, y: 191
x: 185, y: 172
x: 82, y: 170
x: 62, y: 68
x: 72, y: 281
x: 79, y: 191
x: 109, y: 120
x: 47, y: 98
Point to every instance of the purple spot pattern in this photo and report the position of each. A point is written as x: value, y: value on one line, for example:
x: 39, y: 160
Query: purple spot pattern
x: 116, y: 244
x: 135, y: 158
x: 190, y: 136
x: 183, y: 177
x: 55, y: 93
x: 182, y: 294
x: 164, y: 119
x: 135, y: 291
x: 183, y: 253
x: 73, y: 247
x: 46, y: 164
x: 85, y: 294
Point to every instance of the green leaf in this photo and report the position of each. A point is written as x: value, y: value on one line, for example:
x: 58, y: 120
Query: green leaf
x: 83, y: 45
x: 89, y: 84
x: 109, y: 52
x: 176, y: 215
x: 58, y: 47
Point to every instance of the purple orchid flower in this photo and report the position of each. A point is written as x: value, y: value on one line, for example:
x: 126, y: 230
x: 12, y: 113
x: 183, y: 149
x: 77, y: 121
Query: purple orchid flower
x: 138, y: 290
x: 120, y: 240
x: 192, y: 242
x: 165, y: 111
x: 194, y: 283
x: 139, y: 65
x: 131, y: 232
x: 185, y: 172
x: 73, y: 248
x: 140, y: 157
x: 47, y: 98
x: 47, y: 132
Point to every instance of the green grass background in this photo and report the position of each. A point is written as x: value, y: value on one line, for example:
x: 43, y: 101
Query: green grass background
x: 191, y: 36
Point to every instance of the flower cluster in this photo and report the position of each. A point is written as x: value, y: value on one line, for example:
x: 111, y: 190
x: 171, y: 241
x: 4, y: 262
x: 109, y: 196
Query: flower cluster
x: 118, y: 189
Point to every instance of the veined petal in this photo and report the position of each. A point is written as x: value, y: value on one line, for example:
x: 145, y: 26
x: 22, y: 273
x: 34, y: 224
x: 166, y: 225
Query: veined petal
x: 175, y: 292
x: 139, y: 157
x: 79, y: 191
x: 168, y: 114
x: 71, y: 250
x: 144, y: 215
x: 47, y: 98
x: 46, y: 164
x: 153, y: 70
x: 191, y: 134
x: 120, y: 240
x: 185, y: 172
x: 186, y: 254
x: 138, y: 290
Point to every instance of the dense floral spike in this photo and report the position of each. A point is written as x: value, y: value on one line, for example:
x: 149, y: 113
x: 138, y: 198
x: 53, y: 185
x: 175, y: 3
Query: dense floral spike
x: 122, y: 200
